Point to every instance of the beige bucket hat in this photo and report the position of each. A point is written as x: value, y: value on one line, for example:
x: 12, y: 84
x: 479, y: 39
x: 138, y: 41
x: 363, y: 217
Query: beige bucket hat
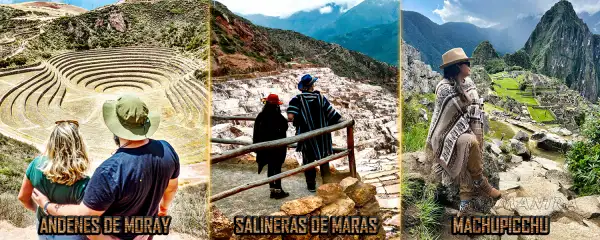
x: 453, y: 56
x: 128, y: 117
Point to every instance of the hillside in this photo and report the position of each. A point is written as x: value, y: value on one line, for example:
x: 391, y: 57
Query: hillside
x: 562, y: 46
x: 433, y: 39
x: 240, y: 47
x: 484, y: 52
x: 379, y: 42
x: 172, y: 24
x: 366, y: 14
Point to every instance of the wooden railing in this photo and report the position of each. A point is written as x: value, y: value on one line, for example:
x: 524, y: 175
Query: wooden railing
x: 285, y: 142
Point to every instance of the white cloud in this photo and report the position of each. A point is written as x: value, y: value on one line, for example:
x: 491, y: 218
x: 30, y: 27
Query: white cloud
x: 281, y: 8
x: 491, y: 12
x: 452, y: 11
x: 589, y: 6
x: 326, y: 9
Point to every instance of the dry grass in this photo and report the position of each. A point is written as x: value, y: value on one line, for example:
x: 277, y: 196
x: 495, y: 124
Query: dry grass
x: 15, y: 156
x: 14, y: 212
x: 189, y: 211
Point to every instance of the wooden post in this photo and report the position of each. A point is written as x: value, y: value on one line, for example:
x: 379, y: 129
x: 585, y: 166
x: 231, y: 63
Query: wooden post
x: 350, y: 147
x: 285, y: 174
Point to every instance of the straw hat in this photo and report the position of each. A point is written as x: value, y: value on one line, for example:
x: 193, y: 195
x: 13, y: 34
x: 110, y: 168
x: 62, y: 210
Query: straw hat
x: 453, y: 56
x: 129, y: 118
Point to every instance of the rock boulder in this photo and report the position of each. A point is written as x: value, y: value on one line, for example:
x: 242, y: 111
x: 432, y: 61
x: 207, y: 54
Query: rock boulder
x: 340, y: 207
x: 220, y: 226
x: 521, y: 136
x: 361, y: 193
x: 587, y: 207
x: 302, y: 206
x: 520, y: 149
x: 330, y: 192
x: 550, y: 142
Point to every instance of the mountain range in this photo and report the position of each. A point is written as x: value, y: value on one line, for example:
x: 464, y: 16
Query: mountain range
x: 339, y: 26
x: 369, y: 28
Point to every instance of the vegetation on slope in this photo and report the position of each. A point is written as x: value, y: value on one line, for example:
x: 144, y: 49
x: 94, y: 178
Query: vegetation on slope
x: 414, y: 130
x: 421, y: 210
x: 15, y: 156
x: 379, y: 42
x: 519, y: 58
x: 562, y: 46
x: 484, y: 52
x: 179, y: 24
x: 583, y: 161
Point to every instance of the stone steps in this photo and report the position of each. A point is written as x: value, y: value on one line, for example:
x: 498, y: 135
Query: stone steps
x: 11, y: 114
x: 74, y: 86
x: 89, y: 79
x: 74, y: 70
x: 65, y: 61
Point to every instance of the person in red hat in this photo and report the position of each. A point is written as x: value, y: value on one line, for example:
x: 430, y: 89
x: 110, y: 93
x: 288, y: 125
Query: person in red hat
x: 271, y: 125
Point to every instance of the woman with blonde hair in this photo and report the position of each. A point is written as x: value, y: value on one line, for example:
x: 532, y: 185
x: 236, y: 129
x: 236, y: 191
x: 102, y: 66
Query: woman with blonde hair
x: 60, y: 173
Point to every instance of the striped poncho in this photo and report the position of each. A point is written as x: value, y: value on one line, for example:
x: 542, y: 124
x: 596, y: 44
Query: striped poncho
x: 312, y: 111
x: 449, y: 121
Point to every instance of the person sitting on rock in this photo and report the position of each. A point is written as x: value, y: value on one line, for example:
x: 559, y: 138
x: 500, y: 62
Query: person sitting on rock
x: 309, y: 111
x: 139, y: 179
x: 455, y: 138
x: 60, y: 172
x: 271, y: 125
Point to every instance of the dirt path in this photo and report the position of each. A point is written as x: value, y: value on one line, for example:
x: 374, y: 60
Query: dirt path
x: 256, y: 201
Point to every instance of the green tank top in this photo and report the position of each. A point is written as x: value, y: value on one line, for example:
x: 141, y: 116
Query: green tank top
x: 57, y: 193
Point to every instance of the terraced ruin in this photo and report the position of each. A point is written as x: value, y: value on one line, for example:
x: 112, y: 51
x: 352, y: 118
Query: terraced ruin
x: 74, y: 85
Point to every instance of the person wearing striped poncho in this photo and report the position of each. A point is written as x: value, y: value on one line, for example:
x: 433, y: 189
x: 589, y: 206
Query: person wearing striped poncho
x: 455, y: 139
x: 308, y: 111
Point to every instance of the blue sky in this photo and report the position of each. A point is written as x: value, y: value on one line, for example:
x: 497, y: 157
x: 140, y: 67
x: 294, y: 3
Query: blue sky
x: 87, y: 4
x: 486, y: 13
x: 424, y: 7
x: 483, y: 13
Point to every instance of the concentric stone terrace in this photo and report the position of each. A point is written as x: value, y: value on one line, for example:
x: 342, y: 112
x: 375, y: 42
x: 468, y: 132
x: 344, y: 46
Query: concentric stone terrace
x: 75, y: 85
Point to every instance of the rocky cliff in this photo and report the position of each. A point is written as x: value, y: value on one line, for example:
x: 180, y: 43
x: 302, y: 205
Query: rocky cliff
x: 562, y: 46
x: 417, y: 76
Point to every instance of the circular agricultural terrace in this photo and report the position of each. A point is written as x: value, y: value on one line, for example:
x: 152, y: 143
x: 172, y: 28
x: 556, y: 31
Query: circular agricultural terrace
x: 74, y: 85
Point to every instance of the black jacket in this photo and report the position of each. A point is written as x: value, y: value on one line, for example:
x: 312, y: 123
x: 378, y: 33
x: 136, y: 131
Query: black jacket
x: 270, y: 125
